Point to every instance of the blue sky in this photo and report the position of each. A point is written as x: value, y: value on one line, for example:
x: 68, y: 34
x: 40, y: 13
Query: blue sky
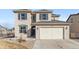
x: 7, y: 17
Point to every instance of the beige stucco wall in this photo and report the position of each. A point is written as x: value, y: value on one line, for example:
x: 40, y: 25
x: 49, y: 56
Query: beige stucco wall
x: 66, y: 31
x: 55, y: 18
x: 49, y: 17
x: 24, y: 22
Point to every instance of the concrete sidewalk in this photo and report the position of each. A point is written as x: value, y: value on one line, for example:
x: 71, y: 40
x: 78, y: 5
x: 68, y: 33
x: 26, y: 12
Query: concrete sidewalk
x: 56, y: 44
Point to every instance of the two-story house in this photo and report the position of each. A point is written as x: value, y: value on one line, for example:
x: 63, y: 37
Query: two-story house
x: 41, y: 24
x: 74, y: 27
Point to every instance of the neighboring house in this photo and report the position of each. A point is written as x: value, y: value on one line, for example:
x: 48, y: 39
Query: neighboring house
x: 11, y: 33
x: 3, y: 31
x: 41, y: 24
x: 74, y: 27
x: 12, y: 30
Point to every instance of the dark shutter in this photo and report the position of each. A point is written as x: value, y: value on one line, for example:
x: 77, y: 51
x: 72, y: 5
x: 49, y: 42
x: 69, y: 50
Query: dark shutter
x: 18, y: 16
x: 40, y: 16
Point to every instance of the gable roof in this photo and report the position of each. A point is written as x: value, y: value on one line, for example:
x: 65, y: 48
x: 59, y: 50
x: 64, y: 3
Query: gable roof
x: 72, y: 15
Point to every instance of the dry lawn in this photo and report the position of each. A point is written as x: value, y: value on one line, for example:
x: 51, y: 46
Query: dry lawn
x: 29, y: 43
x: 11, y: 45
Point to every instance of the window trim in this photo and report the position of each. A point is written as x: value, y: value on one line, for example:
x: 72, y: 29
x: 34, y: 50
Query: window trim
x: 20, y: 16
x: 23, y: 29
x: 41, y: 16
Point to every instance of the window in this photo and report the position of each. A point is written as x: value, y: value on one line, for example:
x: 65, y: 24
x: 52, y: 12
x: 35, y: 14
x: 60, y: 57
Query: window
x: 34, y: 18
x: 43, y: 16
x: 23, y: 28
x: 22, y: 16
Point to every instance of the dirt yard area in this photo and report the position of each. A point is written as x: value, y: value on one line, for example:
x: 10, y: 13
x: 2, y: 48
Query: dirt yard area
x: 28, y: 43
x: 4, y: 44
x: 12, y: 43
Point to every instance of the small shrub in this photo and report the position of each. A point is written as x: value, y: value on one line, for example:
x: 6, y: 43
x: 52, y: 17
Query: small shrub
x: 21, y: 40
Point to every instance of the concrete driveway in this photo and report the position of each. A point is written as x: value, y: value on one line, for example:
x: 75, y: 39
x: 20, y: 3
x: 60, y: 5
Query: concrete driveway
x: 56, y: 44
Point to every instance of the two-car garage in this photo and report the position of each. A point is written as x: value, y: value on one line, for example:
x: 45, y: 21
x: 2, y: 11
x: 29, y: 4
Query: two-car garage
x: 56, y: 31
x: 51, y: 33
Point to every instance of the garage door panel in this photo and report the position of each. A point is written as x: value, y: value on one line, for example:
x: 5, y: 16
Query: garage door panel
x: 44, y: 33
x: 57, y: 33
x: 51, y: 33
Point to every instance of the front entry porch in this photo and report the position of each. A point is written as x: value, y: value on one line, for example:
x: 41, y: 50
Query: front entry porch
x: 33, y: 31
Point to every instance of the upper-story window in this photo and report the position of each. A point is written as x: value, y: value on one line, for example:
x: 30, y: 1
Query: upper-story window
x: 34, y: 18
x: 43, y: 16
x: 22, y: 16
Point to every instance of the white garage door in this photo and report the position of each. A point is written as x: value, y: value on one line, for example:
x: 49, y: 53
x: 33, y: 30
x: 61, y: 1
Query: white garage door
x: 51, y: 33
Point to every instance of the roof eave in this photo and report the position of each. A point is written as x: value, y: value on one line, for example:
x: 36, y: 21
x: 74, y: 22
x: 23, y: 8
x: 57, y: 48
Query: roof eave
x: 21, y: 10
x: 68, y: 18
x: 51, y: 23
